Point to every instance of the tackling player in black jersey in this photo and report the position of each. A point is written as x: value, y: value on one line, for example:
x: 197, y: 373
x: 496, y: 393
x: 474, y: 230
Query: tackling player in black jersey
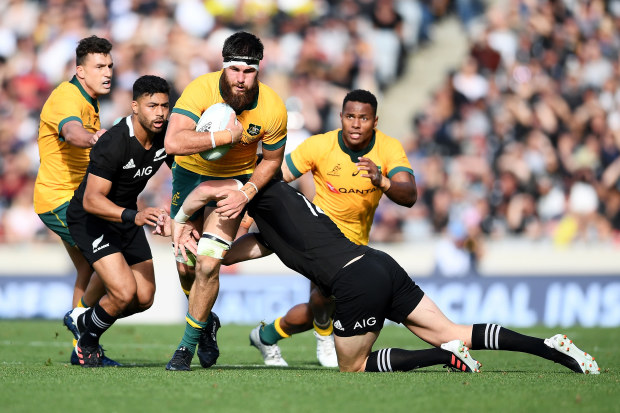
x: 103, y: 217
x: 368, y: 286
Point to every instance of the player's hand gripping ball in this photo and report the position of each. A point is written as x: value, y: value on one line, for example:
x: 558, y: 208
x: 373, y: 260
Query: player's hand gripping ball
x: 215, y: 119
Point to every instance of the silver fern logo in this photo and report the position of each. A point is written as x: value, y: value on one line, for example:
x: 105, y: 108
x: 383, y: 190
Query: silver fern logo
x: 96, y: 243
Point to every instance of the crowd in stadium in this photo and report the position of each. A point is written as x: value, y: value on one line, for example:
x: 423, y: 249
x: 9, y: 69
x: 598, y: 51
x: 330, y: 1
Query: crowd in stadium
x: 522, y: 140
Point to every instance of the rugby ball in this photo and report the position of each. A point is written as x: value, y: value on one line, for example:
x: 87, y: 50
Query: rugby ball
x: 215, y: 119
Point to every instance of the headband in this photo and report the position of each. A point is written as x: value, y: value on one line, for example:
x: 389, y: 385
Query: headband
x: 240, y: 60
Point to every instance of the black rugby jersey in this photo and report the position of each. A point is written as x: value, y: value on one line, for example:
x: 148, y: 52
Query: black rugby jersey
x: 121, y: 159
x: 301, y: 235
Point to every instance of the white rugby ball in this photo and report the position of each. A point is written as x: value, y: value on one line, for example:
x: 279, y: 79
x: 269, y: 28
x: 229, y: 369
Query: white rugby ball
x: 215, y: 119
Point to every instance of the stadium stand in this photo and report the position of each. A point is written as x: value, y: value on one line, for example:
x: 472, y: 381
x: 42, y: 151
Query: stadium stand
x: 522, y: 140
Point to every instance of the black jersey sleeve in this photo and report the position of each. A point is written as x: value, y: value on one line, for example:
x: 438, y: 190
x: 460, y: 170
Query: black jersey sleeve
x: 105, y: 158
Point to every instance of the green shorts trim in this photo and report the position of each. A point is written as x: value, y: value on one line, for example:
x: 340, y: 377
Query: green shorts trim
x: 184, y: 182
x: 56, y: 220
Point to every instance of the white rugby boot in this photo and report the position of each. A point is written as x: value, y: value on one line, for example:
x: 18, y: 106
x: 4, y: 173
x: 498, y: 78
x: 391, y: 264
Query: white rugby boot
x: 326, y: 350
x: 271, y: 353
x: 461, y: 359
x: 583, y: 362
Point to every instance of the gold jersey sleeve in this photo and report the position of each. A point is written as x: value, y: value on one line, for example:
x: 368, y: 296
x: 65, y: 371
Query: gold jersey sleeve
x: 264, y: 120
x: 62, y: 165
x: 349, y: 199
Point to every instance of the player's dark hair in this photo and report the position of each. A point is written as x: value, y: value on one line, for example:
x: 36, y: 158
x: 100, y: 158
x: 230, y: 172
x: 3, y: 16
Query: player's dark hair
x: 149, y: 85
x: 91, y: 45
x: 243, y: 44
x: 362, y: 96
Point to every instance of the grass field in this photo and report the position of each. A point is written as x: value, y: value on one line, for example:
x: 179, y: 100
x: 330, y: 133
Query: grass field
x: 35, y: 376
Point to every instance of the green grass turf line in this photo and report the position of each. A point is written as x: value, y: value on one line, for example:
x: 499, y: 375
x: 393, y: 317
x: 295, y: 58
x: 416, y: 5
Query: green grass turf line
x: 35, y: 376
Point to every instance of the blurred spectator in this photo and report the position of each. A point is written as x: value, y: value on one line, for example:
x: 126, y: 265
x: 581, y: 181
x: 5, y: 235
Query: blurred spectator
x: 538, y: 103
x: 315, y: 52
x: 524, y: 135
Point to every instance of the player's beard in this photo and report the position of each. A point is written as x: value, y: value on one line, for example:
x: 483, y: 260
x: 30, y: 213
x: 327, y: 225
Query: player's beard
x: 236, y: 101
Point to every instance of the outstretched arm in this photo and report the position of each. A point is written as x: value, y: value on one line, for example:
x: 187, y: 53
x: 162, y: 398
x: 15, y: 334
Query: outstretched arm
x: 245, y: 248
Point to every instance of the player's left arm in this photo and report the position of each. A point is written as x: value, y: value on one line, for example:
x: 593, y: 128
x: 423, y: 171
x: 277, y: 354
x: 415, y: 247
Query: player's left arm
x: 400, y: 187
x: 234, y: 201
x: 97, y: 203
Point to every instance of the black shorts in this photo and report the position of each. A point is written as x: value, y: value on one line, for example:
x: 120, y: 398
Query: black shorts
x: 98, y: 238
x: 370, y: 290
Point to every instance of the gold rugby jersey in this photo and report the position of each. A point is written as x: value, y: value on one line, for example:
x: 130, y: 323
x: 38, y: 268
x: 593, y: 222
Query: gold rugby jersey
x: 263, y: 120
x: 62, y: 165
x: 346, y: 197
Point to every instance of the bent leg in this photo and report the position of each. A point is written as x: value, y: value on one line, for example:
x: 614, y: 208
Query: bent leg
x: 119, y: 281
x: 297, y: 320
x: 302, y: 317
x: 144, y: 274
x: 322, y: 307
x: 354, y: 351
x: 121, y: 291
x: 84, y: 272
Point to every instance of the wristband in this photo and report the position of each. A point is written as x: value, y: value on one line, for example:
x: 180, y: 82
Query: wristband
x: 212, y: 141
x: 254, y: 185
x: 231, y: 135
x: 129, y: 215
x: 181, y: 217
x: 246, y: 195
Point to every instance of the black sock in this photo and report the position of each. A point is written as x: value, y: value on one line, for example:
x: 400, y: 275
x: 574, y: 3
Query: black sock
x: 396, y: 359
x: 495, y: 337
x: 98, y: 323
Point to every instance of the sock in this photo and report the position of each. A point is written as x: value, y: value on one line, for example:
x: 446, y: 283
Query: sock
x: 396, y: 359
x: 324, y: 331
x: 193, y: 328
x: 272, y: 333
x: 82, y: 303
x: 98, y: 323
x: 495, y: 337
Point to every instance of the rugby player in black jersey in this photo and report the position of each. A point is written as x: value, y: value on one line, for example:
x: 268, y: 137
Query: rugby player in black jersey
x: 368, y: 286
x: 104, y: 220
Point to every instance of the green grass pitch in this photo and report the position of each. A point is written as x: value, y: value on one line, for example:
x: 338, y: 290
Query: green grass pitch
x: 35, y: 376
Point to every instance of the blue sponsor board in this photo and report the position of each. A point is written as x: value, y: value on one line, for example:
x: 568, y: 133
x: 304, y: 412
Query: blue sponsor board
x: 511, y: 301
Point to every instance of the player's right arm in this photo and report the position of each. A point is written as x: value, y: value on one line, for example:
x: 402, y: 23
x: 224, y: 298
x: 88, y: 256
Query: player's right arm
x: 245, y: 248
x: 75, y: 134
x: 182, y: 138
x: 97, y: 203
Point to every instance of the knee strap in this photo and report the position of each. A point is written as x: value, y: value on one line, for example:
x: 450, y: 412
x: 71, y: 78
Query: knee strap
x: 210, y: 245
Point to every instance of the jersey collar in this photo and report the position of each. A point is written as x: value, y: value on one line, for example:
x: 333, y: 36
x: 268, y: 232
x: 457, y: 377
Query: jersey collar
x: 252, y: 105
x: 130, y: 126
x: 356, y: 154
x: 88, y: 98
